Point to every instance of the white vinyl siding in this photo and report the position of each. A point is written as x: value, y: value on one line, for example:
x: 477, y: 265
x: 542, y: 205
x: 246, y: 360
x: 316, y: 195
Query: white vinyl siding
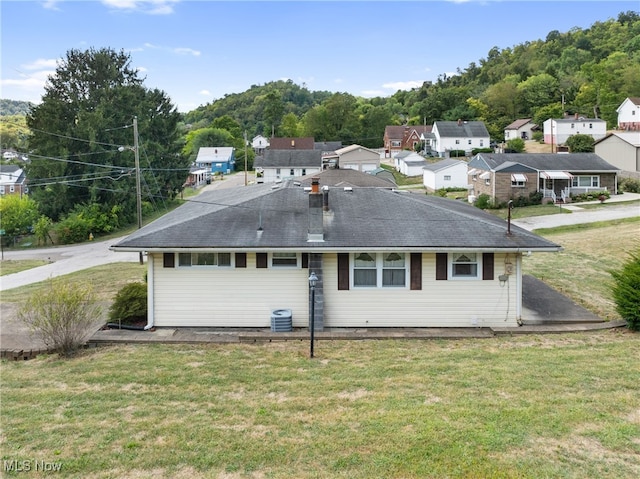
x: 437, y: 304
x: 245, y: 297
x: 228, y: 297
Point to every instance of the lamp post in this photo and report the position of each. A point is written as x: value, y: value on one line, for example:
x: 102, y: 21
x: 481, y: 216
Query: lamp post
x: 313, y: 280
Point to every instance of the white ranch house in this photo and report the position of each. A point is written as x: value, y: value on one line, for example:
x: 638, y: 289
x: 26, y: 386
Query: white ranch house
x: 384, y: 258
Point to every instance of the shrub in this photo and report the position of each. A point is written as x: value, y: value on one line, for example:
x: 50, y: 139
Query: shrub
x: 457, y: 153
x: 62, y: 315
x: 591, y: 196
x: 626, y: 291
x: 130, y: 304
x: 630, y: 184
x: 483, y: 201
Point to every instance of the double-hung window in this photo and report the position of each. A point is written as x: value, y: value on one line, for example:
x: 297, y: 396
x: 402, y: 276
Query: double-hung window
x: 465, y: 266
x: 379, y: 270
x: 204, y: 259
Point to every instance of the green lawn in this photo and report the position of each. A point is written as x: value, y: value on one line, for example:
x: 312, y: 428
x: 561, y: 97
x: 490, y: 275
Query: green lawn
x: 511, y: 407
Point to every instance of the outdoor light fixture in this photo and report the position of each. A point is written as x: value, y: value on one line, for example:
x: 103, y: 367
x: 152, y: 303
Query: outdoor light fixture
x: 313, y: 280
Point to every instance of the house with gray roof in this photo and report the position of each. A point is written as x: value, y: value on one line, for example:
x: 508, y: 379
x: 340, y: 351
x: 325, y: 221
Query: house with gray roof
x: 447, y: 173
x: 383, y: 258
x: 459, y: 135
x: 409, y: 163
x: 13, y: 180
x: 339, y: 177
x: 521, y: 128
x: 507, y: 176
x: 219, y: 159
x: 277, y: 165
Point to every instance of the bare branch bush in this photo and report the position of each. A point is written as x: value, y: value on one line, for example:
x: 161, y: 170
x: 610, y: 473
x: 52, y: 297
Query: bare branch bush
x: 61, y: 315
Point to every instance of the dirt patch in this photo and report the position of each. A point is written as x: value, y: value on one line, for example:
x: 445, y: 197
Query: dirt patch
x: 531, y: 146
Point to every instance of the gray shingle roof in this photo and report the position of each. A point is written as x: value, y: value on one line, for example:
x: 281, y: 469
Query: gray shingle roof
x: 439, y: 165
x: 572, y: 162
x: 289, y: 159
x: 361, y: 218
x: 463, y: 129
x: 348, y: 177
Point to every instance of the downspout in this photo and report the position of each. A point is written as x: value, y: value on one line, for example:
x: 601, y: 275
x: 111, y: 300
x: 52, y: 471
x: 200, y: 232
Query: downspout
x: 519, y: 288
x: 150, y: 293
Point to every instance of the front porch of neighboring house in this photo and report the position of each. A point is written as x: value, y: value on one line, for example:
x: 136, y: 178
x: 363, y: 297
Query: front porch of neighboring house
x: 558, y: 186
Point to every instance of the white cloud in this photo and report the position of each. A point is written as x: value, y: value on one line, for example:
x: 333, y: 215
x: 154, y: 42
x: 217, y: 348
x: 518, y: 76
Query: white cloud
x: 40, y: 63
x: 150, y: 7
x: 50, y: 5
x: 403, y: 85
x: 205, y: 93
x: 187, y: 51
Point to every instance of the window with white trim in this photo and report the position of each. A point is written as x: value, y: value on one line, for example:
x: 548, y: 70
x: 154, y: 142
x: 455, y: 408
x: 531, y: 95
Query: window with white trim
x: 220, y: 260
x: 465, y: 265
x: 396, y: 143
x: 585, y: 182
x: 457, y: 142
x: 447, y: 177
x: 468, y: 142
x: 284, y: 260
x: 2, y: 190
x: 518, y: 184
x: 379, y: 270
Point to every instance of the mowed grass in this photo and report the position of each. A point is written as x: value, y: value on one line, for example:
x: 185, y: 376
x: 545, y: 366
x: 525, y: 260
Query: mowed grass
x: 508, y: 407
x: 582, y: 271
x: 10, y: 266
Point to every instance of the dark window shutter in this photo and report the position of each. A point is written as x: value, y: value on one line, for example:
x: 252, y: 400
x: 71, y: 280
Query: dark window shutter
x: 241, y: 260
x: 343, y: 271
x: 416, y: 271
x: 441, y: 266
x: 305, y: 260
x: 261, y: 260
x: 487, y: 266
x: 169, y: 260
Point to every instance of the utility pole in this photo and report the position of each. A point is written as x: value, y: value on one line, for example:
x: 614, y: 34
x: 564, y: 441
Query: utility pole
x: 136, y: 153
x: 245, y: 158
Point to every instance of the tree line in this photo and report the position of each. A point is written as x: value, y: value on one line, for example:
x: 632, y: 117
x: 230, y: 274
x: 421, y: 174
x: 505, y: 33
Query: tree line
x: 80, y: 137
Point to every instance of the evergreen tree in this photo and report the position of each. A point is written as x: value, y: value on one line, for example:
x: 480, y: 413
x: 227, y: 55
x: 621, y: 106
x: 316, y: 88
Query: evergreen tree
x: 85, y: 115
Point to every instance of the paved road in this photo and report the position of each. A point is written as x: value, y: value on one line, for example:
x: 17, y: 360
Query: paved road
x: 67, y: 259
x: 580, y: 215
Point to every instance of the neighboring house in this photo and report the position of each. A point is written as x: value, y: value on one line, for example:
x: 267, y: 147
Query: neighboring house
x: 507, y: 176
x: 383, y: 173
x: 409, y: 163
x: 197, y: 177
x: 459, y: 135
x: 629, y: 114
x: 219, y: 159
x: 383, y: 258
x: 277, y: 165
x: 448, y: 173
x: 558, y: 131
x: 13, y: 180
x: 522, y: 128
x: 9, y: 155
x: 259, y: 144
x: 403, y: 137
x: 344, y: 178
x: 354, y: 157
x: 292, y: 143
x: 620, y: 149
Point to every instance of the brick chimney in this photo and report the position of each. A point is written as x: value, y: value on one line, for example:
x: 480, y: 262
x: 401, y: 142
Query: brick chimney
x: 316, y: 230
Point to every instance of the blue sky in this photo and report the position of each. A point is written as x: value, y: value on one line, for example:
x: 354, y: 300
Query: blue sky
x: 198, y: 51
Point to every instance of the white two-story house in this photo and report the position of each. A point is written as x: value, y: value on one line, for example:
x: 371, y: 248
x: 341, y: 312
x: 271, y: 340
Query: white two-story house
x: 459, y: 136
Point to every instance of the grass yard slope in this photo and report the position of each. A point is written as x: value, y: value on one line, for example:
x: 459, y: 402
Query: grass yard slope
x: 562, y: 406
